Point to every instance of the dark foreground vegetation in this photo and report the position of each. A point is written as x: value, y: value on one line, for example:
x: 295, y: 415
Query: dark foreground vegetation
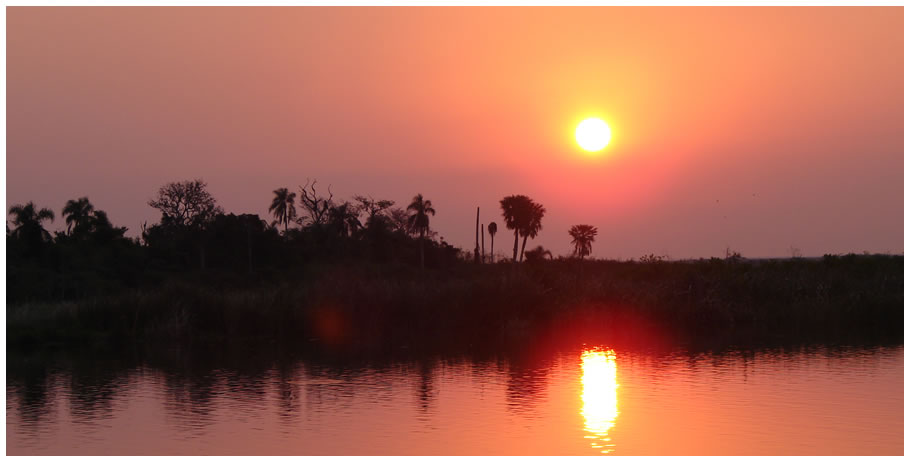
x: 387, y: 305
x: 365, y: 274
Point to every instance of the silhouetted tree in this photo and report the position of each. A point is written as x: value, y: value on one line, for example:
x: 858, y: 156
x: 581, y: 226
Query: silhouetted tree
x: 373, y: 208
x: 522, y: 215
x: 317, y: 206
x: 512, y: 207
x: 77, y: 213
x: 241, y: 242
x: 282, y: 206
x: 378, y: 222
x: 398, y: 219
x: 344, y: 219
x: 27, y: 221
x: 86, y: 223
x: 186, y: 209
x: 583, y: 236
x: 100, y: 229
x: 532, y: 226
x: 419, y: 220
x: 186, y: 203
x: 492, y: 229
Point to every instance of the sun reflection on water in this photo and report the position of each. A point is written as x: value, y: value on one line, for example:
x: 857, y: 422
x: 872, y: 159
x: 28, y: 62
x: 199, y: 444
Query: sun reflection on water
x: 599, y: 396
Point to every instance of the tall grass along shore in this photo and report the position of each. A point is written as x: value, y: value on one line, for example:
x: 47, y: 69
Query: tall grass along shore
x: 365, y: 304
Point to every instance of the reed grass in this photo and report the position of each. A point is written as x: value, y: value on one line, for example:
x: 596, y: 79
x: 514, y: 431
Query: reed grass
x: 474, y: 304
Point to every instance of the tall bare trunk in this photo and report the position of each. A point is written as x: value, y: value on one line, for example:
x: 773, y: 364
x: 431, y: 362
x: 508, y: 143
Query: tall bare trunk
x: 477, y: 225
x: 515, y: 247
x: 422, y: 249
x: 491, y: 247
x: 524, y: 239
x: 482, y: 244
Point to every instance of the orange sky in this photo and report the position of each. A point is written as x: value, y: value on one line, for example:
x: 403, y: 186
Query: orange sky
x: 758, y: 128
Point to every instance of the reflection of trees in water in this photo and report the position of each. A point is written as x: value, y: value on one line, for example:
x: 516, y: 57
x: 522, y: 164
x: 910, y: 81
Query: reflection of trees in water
x: 287, y: 392
x: 526, y: 382
x: 329, y: 388
x: 189, y: 398
x: 245, y: 386
x: 93, y: 386
x: 335, y: 386
x: 425, y: 391
x: 33, y: 392
x: 195, y: 385
x: 747, y: 357
x: 190, y: 386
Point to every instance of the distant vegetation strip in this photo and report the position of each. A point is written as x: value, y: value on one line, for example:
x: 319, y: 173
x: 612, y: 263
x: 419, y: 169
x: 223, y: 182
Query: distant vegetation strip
x: 93, y: 257
x: 381, y: 304
x: 365, y: 272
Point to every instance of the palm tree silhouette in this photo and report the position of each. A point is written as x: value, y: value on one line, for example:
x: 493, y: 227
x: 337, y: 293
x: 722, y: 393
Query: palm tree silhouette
x: 583, y: 236
x: 345, y: 219
x: 512, y: 213
x: 522, y: 215
x: 419, y: 219
x: 492, y: 229
x: 28, y: 222
x: 532, y: 226
x: 282, y: 207
x: 78, y: 213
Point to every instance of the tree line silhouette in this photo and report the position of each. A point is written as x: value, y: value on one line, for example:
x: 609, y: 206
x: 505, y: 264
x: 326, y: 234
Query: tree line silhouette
x: 194, y: 234
x: 353, y: 271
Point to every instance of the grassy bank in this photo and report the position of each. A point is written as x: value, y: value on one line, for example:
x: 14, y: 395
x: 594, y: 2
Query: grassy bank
x: 383, y: 305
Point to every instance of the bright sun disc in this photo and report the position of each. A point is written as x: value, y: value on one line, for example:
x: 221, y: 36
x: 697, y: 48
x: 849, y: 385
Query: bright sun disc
x: 592, y: 134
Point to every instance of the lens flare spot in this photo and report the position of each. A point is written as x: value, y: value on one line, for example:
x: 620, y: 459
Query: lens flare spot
x: 330, y: 325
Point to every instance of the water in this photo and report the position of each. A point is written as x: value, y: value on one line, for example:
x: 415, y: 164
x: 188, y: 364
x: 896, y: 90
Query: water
x: 584, y: 400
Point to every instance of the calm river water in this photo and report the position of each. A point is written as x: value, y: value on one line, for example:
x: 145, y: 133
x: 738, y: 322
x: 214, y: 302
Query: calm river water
x: 584, y: 400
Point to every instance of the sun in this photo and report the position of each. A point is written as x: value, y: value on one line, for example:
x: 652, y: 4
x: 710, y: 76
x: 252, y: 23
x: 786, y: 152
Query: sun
x: 592, y: 134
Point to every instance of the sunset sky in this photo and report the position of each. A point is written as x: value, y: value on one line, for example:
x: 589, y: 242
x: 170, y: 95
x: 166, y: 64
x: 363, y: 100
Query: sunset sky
x: 757, y: 128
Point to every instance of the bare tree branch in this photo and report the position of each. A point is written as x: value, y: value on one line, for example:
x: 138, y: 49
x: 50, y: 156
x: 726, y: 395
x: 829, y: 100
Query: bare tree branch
x: 317, y: 207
